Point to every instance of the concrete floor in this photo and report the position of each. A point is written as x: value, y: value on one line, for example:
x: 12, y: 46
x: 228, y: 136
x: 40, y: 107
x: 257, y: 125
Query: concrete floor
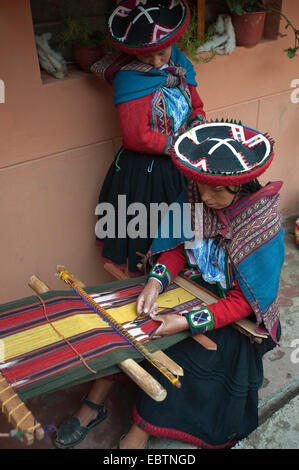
x: 280, y: 366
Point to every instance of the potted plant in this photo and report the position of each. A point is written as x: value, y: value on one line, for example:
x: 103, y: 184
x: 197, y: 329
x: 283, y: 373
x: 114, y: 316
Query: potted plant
x: 88, y: 46
x: 189, y: 41
x: 291, y: 51
x: 248, y: 18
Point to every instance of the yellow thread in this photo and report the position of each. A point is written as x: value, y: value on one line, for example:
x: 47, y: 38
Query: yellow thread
x: 34, y: 427
x: 6, y: 401
x: 176, y: 380
x: 22, y: 419
x: 11, y: 411
x: 4, y: 390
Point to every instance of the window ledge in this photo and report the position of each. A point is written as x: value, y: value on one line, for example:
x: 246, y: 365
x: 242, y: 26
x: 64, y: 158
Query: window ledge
x: 73, y: 72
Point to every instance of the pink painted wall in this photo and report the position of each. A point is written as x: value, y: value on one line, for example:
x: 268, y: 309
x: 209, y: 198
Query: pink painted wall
x: 59, y: 138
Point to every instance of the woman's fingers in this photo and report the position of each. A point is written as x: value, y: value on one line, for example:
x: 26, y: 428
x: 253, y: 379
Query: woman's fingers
x: 157, y: 318
x: 146, y: 305
x: 169, y: 324
x: 140, y: 304
x: 146, y: 302
x: 154, y: 308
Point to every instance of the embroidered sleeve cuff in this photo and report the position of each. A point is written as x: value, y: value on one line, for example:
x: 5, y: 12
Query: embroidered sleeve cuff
x: 161, y: 273
x: 200, y: 321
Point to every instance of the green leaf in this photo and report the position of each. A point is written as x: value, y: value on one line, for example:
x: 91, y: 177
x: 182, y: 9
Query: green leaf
x: 239, y: 10
x: 291, y: 52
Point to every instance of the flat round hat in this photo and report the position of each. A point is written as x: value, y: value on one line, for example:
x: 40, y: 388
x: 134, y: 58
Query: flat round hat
x: 147, y: 26
x: 222, y: 153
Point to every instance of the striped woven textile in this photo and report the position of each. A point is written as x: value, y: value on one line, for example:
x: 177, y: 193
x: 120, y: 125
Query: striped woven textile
x: 297, y: 233
x: 38, y: 360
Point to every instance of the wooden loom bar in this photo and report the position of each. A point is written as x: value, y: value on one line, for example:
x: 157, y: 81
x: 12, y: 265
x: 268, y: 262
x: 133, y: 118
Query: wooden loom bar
x: 142, y: 378
x: 18, y: 414
x: 201, y: 9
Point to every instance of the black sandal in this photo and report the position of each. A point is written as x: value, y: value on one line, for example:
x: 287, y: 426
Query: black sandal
x: 118, y: 444
x: 71, y: 431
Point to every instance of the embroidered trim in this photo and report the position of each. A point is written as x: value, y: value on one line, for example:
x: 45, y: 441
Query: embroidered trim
x: 169, y: 145
x: 176, y: 434
x: 161, y: 273
x: 200, y: 321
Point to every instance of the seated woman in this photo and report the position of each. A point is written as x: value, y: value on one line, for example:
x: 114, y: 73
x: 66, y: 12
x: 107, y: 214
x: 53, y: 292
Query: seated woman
x: 240, y: 254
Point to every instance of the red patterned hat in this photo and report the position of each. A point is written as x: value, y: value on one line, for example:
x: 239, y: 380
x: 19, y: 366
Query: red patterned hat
x: 222, y: 153
x: 147, y: 26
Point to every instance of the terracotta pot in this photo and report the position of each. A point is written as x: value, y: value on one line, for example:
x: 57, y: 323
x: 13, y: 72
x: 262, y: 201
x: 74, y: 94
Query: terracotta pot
x: 249, y: 28
x: 86, y: 55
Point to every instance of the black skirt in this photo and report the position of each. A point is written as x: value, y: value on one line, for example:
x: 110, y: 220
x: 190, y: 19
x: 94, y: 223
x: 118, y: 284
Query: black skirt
x: 217, y: 404
x: 141, y: 178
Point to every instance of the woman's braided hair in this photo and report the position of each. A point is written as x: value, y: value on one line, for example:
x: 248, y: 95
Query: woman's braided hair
x: 246, y: 188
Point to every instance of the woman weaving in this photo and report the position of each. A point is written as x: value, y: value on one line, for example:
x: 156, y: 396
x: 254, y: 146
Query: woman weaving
x: 241, y: 253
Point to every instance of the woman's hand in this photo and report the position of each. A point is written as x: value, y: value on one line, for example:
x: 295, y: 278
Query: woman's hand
x: 170, y: 324
x: 146, y: 302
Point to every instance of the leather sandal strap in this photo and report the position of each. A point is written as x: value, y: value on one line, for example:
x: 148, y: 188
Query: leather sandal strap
x: 121, y: 438
x: 91, y: 404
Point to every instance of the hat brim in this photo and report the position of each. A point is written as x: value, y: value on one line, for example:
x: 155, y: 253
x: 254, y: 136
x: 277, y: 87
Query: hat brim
x: 222, y: 153
x: 219, y: 180
x: 165, y: 42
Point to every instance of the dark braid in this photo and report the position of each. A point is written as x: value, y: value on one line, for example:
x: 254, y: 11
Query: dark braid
x: 252, y: 187
x: 247, y: 188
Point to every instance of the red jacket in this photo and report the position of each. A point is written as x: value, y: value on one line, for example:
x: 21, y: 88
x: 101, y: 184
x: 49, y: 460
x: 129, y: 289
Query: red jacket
x: 135, y: 123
